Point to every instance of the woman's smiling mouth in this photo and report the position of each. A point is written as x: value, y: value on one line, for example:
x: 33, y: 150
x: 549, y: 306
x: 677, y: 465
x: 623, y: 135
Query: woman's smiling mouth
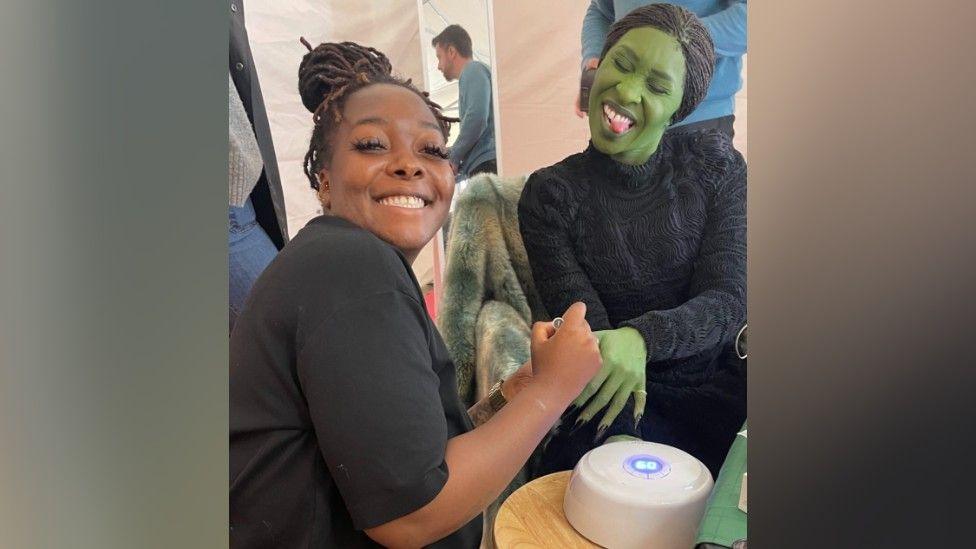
x: 404, y: 201
x: 618, y: 119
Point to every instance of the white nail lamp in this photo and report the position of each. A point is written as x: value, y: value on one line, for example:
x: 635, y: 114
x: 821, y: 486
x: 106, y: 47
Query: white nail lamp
x: 635, y: 494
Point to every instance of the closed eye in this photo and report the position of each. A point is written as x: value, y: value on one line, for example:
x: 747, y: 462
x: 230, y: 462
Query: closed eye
x: 368, y: 144
x: 436, y: 150
x: 657, y: 88
x: 623, y: 64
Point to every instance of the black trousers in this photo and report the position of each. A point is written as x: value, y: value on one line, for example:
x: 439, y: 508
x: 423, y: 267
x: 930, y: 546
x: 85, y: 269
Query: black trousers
x: 488, y: 166
x: 724, y: 124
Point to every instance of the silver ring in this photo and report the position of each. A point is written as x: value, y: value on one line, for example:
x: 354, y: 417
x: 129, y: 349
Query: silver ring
x: 557, y: 322
x: 738, y: 338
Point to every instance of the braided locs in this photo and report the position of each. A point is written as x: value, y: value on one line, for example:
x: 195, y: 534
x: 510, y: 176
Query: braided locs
x: 327, y: 76
x: 696, y: 44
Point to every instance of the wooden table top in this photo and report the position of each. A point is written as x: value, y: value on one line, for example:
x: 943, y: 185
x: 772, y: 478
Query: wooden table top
x: 533, y: 517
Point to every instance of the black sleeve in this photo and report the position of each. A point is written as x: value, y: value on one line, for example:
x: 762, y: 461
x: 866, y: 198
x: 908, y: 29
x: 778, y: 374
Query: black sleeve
x: 545, y: 209
x: 718, y: 307
x: 367, y: 375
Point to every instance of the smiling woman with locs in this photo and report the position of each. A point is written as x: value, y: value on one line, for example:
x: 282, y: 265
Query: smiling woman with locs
x: 648, y: 228
x: 346, y: 428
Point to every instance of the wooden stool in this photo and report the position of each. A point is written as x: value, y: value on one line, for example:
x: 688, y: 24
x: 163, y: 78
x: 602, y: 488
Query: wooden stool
x: 533, y: 517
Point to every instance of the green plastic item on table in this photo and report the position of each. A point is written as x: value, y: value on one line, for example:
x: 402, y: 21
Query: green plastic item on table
x: 724, y: 523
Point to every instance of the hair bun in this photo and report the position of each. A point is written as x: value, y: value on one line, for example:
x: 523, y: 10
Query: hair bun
x: 331, y: 66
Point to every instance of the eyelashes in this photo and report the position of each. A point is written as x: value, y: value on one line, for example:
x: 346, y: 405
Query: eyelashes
x: 369, y: 144
x: 624, y: 66
x: 436, y: 150
x: 654, y: 87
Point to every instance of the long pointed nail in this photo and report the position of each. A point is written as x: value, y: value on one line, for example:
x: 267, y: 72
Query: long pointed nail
x: 599, y: 433
x: 637, y: 421
x: 579, y: 423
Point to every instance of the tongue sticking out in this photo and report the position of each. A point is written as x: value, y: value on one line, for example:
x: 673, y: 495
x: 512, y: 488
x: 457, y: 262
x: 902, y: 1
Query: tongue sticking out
x: 620, y: 126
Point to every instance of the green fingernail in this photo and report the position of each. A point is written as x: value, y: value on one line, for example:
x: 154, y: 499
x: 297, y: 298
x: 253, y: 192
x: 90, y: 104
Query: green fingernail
x: 599, y: 433
x: 637, y: 420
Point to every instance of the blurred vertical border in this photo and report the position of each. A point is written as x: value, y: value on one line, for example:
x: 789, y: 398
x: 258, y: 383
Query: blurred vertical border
x: 113, y: 278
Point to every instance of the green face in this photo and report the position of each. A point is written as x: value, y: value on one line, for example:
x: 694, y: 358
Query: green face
x: 637, y: 89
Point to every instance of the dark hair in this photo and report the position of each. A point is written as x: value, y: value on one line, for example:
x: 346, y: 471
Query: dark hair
x: 454, y: 35
x: 687, y: 29
x: 327, y: 76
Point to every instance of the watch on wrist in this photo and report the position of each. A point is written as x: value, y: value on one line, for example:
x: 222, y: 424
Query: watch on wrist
x: 495, y: 397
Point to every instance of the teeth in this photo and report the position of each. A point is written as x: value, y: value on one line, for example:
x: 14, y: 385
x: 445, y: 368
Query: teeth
x: 401, y: 201
x: 614, y: 116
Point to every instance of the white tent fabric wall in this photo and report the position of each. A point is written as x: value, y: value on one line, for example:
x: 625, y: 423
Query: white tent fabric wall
x: 537, y: 50
x: 741, y: 104
x: 274, y: 26
x: 538, y: 58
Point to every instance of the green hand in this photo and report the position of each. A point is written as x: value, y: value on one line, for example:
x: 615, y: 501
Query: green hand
x: 623, y: 373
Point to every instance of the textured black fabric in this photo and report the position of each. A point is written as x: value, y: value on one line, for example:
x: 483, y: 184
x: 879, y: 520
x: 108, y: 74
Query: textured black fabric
x: 342, y: 396
x: 659, y: 247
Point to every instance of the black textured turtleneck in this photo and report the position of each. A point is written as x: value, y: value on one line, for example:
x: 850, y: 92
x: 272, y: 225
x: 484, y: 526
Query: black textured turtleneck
x: 659, y: 247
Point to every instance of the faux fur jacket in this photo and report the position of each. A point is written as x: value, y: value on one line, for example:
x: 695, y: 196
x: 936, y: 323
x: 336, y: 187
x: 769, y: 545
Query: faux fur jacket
x: 489, y: 300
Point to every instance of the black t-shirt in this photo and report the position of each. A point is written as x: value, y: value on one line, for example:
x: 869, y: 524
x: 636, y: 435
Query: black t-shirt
x: 342, y: 396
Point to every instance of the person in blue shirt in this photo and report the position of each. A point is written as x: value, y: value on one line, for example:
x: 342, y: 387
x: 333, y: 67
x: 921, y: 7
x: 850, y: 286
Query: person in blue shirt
x: 726, y: 23
x: 474, y: 150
